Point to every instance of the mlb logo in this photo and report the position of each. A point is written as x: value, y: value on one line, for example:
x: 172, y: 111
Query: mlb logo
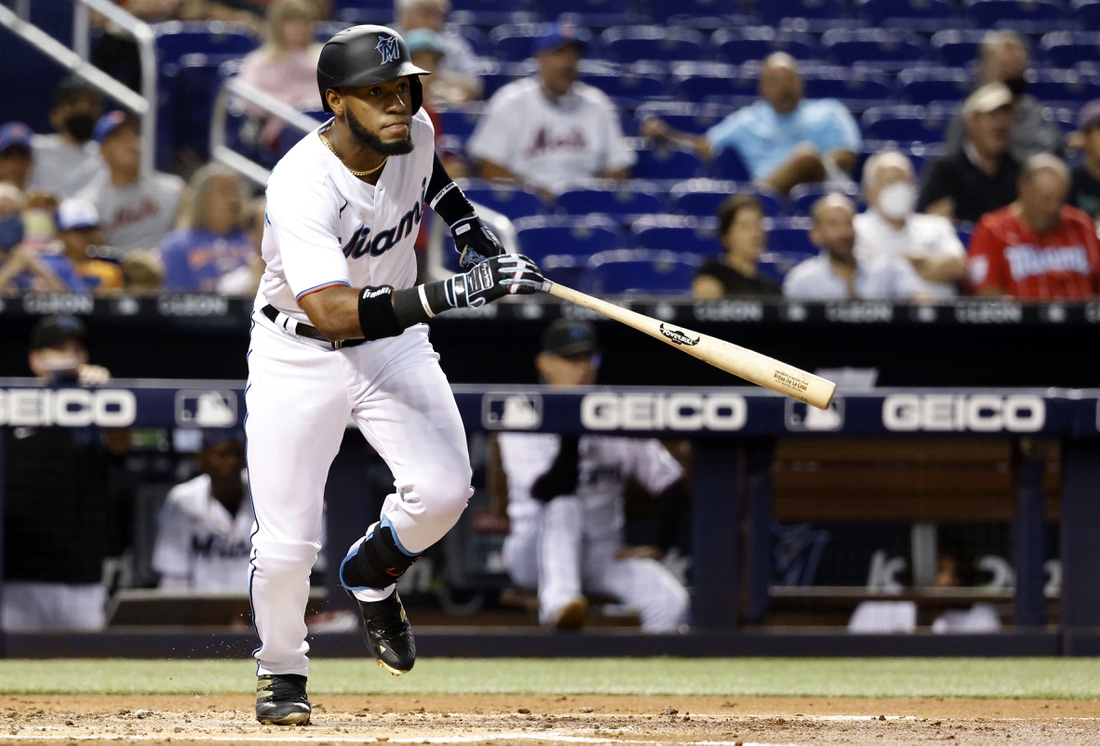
x: 511, y: 411
x: 206, y: 408
x: 387, y: 47
x: 802, y: 417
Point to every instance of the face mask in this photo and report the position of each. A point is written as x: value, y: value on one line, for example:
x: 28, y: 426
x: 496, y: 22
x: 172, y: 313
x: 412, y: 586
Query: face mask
x: 11, y: 232
x: 897, y: 200
x: 80, y: 126
x: 1017, y: 86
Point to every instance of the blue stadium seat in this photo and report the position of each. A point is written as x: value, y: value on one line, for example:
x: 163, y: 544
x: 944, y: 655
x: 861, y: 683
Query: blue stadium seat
x: 957, y: 47
x: 512, y: 200
x: 512, y: 42
x: 727, y: 165
x: 791, y: 236
x: 1064, y: 85
x: 478, y: 39
x: 923, y: 85
x: 754, y: 43
x: 495, y: 75
x: 904, y: 123
x: 774, y: 265
x: 676, y: 233
x: 1067, y: 48
x: 846, y: 83
x: 551, y: 9
x: 484, y: 6
x: 701, y: 197
x: 612, y: 198
x: 666, y: 163
x: 804, y: 196
x: 643, y: 80
x: 986, y: 13
x: 640, y: 272
x: 849, y: 46
x: 695, y: 81
x: 683, y: 116
x: 459, y: 120
x: 775, y: 11
x: 676, y: 12
x: 633, y: 43
x: 571, y: 235
x: 177, y: 38
x: 879, y: 12
x: 1087, y: 12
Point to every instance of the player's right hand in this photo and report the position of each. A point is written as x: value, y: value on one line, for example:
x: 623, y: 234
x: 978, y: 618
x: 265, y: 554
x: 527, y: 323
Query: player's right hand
x: 474, y: 242
x: 493, y: 278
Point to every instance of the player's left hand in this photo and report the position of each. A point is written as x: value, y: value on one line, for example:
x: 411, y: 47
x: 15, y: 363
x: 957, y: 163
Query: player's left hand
x: 474, y: 242
x: 492, y: 279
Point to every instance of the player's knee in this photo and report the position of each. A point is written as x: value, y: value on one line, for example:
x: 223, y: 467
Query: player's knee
x: 284, y: 559
x: 448, y: 491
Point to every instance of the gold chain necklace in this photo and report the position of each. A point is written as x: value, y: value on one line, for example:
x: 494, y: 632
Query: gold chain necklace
x: 349, y: 168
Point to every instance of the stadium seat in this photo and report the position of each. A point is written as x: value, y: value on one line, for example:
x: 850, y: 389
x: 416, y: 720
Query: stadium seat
x: 878, y: 12
x: 876, y: 45
x: 640, y: 272
x: 727, y: 165
x: 774, y: 11
x: 701, y: 197
x: 804, y: 196
x: 957, y: 47
x: 774, y: 265
x: 683, y: 116
x: 1087, y: 12
x: 922, y: 85
x: 510, y: 199
x: 754, y: 43
x: 667, y: 163
x: 695, y: 81
x: 611, y: 198
x: 633, y: 43
x: 512, y: 42
x: 460, y: 120
x: 791, y: 236
x: 846, y: 83
x: 570, y: 235
x: 551, y: 9
x: 495, y: 75
x: 1068, y: 48
x: 904, y: 123
x: 485, y: 6
x: 643, y: 80
x: 676, y: 233
x: 661, y: 11
x: 174, y: 39
x: 1064, y: 85
x: 987, y: 13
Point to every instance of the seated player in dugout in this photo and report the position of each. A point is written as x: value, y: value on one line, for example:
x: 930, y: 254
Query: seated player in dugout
x: 565, y: 505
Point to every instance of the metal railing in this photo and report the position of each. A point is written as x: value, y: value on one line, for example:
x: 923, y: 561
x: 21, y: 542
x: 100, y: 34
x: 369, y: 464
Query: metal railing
x: 144, y: 104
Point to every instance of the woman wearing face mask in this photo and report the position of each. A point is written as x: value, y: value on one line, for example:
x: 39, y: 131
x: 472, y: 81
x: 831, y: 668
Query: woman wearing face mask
x: 67, y: 162
x: 890, y: 225
x: 741, y: 232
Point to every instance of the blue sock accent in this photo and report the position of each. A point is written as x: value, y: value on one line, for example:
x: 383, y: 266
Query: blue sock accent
x: 397, y: 540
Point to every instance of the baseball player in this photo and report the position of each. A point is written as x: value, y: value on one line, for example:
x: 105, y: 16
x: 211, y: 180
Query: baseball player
x: 338, y: 333
x: 565, y: 505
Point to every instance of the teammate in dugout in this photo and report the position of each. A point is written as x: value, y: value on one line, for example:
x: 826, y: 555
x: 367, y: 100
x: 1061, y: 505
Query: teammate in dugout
x: 338, y: 332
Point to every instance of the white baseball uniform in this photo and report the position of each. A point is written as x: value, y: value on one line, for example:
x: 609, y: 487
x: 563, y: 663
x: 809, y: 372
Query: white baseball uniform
x: 569, y: 544
x: 200, y: 544
x: 325, y: 227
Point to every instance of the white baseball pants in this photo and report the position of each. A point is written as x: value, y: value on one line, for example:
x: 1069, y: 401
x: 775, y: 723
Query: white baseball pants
x: 300, y: 397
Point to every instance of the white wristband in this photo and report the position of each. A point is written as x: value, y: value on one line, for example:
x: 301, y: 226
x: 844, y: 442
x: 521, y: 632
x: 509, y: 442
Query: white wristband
x: 424, y: 301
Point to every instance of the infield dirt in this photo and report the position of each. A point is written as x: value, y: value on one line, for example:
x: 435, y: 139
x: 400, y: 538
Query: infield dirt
x: 536, y: 720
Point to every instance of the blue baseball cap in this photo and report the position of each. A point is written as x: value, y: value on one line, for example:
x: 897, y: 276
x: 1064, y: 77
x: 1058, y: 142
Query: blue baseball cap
x: 110, y: 122
x: 15, y: 134
x: 555, y: 36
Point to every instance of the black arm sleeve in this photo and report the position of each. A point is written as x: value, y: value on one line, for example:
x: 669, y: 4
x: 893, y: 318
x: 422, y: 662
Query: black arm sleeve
x: 445, y: 197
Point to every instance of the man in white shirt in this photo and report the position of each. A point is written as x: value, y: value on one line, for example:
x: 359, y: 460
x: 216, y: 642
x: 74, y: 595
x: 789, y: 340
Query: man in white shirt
x: 137, y: 210
x: 890, y: 226
x: 551, y: 130
x: 836, y: 273
x: 68, y: 161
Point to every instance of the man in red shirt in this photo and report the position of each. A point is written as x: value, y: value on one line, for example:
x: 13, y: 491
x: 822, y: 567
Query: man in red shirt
x: 1038, y: 247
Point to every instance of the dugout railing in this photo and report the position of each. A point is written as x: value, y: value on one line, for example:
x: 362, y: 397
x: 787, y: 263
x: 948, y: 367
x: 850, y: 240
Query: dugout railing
x: 734, y: 430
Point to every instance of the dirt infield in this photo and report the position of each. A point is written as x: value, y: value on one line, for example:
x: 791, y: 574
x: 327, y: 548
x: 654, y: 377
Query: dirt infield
x: 534, y: 720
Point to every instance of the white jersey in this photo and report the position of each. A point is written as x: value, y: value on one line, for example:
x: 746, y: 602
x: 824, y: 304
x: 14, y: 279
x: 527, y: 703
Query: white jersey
x: 325, y: 227
x: 198, y: 539
x: 551, y: 143
x: 922, y: 237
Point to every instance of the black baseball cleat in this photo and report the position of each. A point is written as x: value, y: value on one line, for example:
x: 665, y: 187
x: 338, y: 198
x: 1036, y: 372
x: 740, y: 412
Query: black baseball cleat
x: 388, y: 634
x: 281, y: 700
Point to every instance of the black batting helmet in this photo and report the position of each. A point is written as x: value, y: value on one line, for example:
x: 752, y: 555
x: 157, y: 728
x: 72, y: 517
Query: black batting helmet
x: 365, y: 55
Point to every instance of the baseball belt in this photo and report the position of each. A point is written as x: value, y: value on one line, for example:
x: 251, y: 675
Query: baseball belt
x: 305, y: 330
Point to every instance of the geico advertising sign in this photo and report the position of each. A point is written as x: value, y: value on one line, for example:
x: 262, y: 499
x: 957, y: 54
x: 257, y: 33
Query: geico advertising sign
x: 680, y: 411
x: 67, y: 407
x: 979, y: 413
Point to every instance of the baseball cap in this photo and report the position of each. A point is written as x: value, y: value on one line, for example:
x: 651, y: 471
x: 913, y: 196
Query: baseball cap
x: 53, y: 330
x: 566, y: 338
x: 15, y: 134
x: 555, y: 36
x: 989, y: 97
x: 75, y: 213
x: 424, y: 40
x: 110, y: 122
x: 1089, y: 116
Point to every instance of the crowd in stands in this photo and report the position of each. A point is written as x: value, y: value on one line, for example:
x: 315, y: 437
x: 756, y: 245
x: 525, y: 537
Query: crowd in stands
x: 803, y: 203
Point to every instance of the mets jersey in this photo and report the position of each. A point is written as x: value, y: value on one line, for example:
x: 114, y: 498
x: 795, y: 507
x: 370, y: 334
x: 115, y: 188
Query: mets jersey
x: 325, y: 227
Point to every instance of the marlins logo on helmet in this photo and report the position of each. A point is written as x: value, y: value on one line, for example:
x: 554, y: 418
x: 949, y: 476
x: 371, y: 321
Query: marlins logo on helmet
x: 387, y: 47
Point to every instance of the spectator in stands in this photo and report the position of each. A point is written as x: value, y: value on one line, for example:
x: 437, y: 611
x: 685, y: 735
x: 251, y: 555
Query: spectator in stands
x: 565, y: 505
x: 1085, y: 193
x: 21, y: 267
x: 551, y: 130
x: 60, y: 518
x: 286, y: 66
x: 215, y: 244
x: 979, y: 177
x: 245, y: 280
x: 80, y: 231
x: 837, y: 274
x: 890, y: 225
x: 143, y: 271
x: 203, y: 533
x: 741, y: 232
x: 137, y: 209
x: 16, y: 158
x: 66, y: 162
x: 784, y: 139
x: 458, y: 72
x: 1003, y: 58
x: 1038, y: 247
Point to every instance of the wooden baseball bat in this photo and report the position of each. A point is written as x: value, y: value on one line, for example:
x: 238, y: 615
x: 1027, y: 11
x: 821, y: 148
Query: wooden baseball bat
x: 744, y: 363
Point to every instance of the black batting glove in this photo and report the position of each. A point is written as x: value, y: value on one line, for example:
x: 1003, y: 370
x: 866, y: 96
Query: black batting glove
x: 561, y: 478
x: 491, y: 279
x: 474, y: 242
